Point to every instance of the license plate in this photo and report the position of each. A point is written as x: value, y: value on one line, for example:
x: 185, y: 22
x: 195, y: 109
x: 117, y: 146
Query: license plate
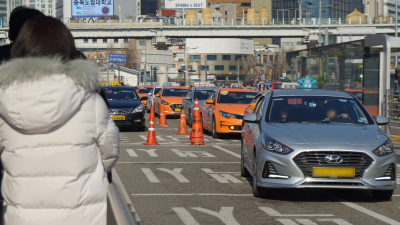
x: 333, y: 172
x: 118, y: 117
x: 177, y: 110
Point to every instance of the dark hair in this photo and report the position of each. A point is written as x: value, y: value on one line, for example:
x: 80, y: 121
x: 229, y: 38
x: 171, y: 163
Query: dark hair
x: 18, y: 18
x: 44, y: 36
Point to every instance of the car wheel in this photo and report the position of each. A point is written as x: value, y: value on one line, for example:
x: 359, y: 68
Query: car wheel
x: 383, y: 195
x: 257, y: 191
x: 214, y: 130
x: 190, y: 120
x: 143, y: 128
x: 243, y: 170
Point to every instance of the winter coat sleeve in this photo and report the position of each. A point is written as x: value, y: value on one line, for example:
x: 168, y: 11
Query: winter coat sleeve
x: 107, y: 135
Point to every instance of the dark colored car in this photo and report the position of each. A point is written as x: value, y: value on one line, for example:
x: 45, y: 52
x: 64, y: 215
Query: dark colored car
x: 201, y: 93
x: 125, y: 107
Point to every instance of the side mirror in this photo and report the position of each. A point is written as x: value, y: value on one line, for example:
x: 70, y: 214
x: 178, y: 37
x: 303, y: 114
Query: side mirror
x: 250, y: 118
x: 210, y: 101
x: 252, y: 106
x: 157, y: 95
x: 381, y: 120
x: 188, y: 98
x: 149, y: 94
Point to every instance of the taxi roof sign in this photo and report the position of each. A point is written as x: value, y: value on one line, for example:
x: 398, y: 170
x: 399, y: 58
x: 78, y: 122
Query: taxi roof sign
x: 307, y: 83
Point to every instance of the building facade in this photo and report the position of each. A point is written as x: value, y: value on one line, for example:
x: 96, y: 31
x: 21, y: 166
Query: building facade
x: 47, y: 7
x: 241, y: 6
x: 149, y: 7
x: 223, y: 11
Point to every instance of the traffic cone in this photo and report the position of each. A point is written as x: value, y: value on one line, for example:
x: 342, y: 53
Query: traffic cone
x: 163, y: 118
x: 152, y: 116
x: 182, y: 124
x: 151, y: 136
x: 196, y: 136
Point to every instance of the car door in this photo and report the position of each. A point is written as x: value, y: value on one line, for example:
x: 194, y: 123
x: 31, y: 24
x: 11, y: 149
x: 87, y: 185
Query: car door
x: 253, y: 130
x: 157, y: 101
x: 206, y: 113
x: 213, y: 106
x: 186, y: 103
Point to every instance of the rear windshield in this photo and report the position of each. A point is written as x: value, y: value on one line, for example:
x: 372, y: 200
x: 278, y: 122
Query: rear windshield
x: 316, y: 109
x: 202, y: 94
x: 145, y: 90
x: 175, y: 92
x: 121, y: 94
x: 236, y: 97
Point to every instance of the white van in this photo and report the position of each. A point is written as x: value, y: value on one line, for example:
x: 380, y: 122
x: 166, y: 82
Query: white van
x: 289, y: 85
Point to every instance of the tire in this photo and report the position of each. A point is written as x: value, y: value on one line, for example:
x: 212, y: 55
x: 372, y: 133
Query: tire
x: 383, y: 195
x: 243, y: 170
x: 215, y: 135
x: 258, y: 192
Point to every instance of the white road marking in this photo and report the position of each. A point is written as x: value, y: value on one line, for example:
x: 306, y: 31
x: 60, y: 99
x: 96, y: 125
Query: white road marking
x: 223, y: 178
x: 185, y: 216
x: 176, y: 172
x: 185, y: 154
x: 226, y: 150
x: 116, y: 179
x: 131, y: 153
x: 158, y: 137
x: 272, y: 212
x: 370, y: 213
x: 225, y: 214
x: 143, y: 137
x: 306, y: 222
x: 287, y: 222
x: 337, y: 221
x: 199, y: 194
x: 151, y: 152
x: 150, y: 175
x: 178, y: 162
x: 210, y: 171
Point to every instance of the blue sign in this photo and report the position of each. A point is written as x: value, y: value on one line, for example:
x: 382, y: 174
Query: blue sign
x: 116, y: 58
x: 306, y: 83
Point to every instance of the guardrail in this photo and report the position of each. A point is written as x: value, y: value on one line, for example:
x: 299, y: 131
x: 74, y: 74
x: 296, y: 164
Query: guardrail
x: 118, y: 212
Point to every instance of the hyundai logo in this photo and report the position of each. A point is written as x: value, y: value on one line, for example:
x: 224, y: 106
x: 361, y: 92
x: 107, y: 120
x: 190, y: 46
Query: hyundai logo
x: 333, y: 159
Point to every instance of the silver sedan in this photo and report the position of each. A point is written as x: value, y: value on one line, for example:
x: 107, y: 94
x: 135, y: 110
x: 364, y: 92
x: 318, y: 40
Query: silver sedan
x: 316, y: 139
x: 150, y: 99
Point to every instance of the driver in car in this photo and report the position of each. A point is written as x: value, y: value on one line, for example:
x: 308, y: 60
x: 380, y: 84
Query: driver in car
x: 332, y: 115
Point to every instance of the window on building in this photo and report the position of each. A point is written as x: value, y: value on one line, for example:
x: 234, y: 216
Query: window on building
x: 50, y: 6
x: 217, y: 9
x: 43, y: 6
x: 299, y: 43
x: 226, y: 13
x: 94, y: 41
x: 142, y: 42
x: 203, y: 67
x: 226, y: 57
x: 115, y: 40
x: 287, y: 43
x: 194, y: 57
x: 125, y: 40
x: 232, y: 67
x: 219, y: 67
x: 43, y: 1
x: 104, y: 41
x: 211, y: 57
x: 32, y: 5
x: 237, y: 57
x: 183, y: 67
x: 50, y: 11
x: 85, y: 40
x: 50, y: 1
x: 43, y: 11
x: 31, y: 1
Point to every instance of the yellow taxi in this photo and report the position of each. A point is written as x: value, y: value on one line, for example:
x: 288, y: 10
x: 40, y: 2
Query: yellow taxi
x: 171, y: 97
x: 143, y: 92
x: 223, y: 111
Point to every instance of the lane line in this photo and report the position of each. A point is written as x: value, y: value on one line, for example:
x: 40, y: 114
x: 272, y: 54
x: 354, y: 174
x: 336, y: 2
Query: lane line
x: 131, y: 153
x: 185, y: 216
x: 116, y: 179
x: 370, y: 212
x: 174, y: 162
x: 150, y: 175
x: 199, y: 194
x: 226, y: 150
x: 287, y: 222
x: 272, y: 212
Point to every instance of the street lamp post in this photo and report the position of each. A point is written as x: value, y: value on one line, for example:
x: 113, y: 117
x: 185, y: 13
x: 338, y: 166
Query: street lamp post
x: 243, y: 17
x: 300, y: 16
x: 238, y: 70
x: 186, y: 63
x: 319, y: 29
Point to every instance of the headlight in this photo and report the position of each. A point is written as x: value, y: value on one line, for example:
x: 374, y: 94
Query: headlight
x: 274, y: 146
x: 138, y: 109
x: 230, y: 115
x: 385, y: 149
x: 164, y: 102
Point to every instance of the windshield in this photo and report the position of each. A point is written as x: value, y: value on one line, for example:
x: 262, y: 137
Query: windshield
x: 236, y: 97
x: 145, y: 90
x: 316, y: 109
x: 121, y: 94
x: 175, y: 92
x: 202, y: 94
x: 277, y: 86
x: 157, y: 90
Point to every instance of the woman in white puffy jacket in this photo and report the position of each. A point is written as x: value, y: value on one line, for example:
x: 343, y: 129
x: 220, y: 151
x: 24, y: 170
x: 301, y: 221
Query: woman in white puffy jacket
x: 57, y: 140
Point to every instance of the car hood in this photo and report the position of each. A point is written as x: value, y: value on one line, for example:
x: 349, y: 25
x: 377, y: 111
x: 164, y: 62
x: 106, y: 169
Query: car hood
x: 121, y: 104
x: 143, y: 94
x: 173, y: 100
x: 232, y: 108
x: 349, y: 134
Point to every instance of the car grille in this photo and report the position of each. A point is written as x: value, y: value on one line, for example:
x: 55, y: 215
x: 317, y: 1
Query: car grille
x: 174, y: 106
x: 333, y: 183
x: 307, y: 160
x: 119, y: 112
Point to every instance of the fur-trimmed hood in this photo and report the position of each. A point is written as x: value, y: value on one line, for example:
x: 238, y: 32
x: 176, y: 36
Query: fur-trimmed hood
x: 39, y: 95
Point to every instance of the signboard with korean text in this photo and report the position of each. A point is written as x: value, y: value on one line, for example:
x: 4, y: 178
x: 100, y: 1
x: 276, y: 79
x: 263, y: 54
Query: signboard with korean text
x: 186, y: 4
x: 92, y: 8
x: 116, y: 58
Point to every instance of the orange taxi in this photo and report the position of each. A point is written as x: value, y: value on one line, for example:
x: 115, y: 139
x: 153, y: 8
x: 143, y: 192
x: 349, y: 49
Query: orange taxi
x: 223, y: 111
x: 171, y: 97
x: 143, y: 92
